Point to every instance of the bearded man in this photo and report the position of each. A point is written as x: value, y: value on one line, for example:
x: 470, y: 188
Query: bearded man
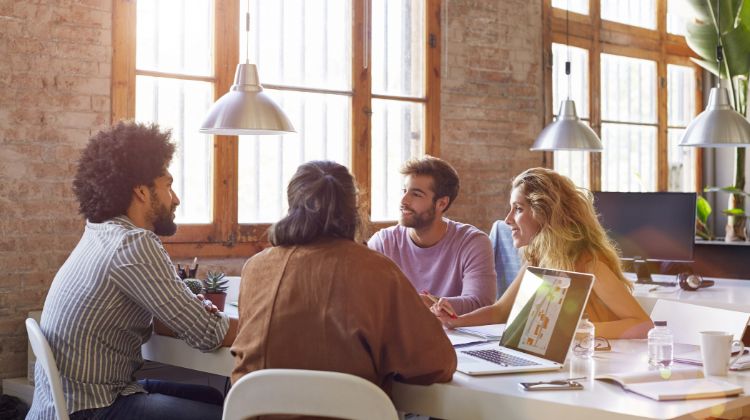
x: 102, y: 302
x: 440, y: 257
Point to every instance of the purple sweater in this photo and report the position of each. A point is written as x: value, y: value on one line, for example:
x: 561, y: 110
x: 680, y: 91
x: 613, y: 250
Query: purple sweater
x: 461, y: 267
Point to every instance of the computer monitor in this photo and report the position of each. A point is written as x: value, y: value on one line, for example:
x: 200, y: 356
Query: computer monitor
x: 653, y: 226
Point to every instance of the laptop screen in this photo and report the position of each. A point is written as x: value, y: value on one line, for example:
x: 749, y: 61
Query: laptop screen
x: 546, y: 312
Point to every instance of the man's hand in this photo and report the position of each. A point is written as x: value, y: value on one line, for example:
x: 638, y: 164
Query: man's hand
x: 207, y: 304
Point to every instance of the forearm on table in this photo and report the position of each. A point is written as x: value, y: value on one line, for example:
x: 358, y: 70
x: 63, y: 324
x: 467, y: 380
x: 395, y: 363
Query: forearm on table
x: 624, y: 328
x: 482, y: 316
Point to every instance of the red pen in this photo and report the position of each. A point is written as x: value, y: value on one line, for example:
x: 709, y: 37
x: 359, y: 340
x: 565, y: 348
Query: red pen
x: 435, y: 300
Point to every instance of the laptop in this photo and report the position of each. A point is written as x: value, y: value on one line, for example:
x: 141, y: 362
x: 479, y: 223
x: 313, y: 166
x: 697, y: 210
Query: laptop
x: 540, y: 328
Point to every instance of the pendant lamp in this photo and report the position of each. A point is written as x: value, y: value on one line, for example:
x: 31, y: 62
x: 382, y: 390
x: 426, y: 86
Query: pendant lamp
x: 567, y: 131
x: 246, y: 109
x: 719, y: 125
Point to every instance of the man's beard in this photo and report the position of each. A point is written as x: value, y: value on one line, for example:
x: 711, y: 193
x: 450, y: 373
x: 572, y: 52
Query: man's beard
x: 418, y: 220
x: 164, y: 224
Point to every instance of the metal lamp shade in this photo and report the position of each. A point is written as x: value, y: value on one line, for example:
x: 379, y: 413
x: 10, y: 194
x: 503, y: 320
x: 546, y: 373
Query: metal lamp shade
x: 568, y: 132
x: 719, y: 125
x: 245, y: 109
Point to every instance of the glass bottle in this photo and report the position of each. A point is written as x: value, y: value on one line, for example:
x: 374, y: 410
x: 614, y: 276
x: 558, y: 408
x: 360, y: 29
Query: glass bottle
x: 660, y: 345
x: 583, y: 341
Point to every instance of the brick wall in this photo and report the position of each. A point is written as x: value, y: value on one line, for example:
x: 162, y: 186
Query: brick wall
x: 492, y: 106
x: 55, y: 92
x: 55, y: 70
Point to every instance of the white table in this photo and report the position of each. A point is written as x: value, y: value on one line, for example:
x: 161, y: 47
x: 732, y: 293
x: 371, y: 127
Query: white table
x: 725, y: 294
x: 495, y: 396
x: 498, y: 396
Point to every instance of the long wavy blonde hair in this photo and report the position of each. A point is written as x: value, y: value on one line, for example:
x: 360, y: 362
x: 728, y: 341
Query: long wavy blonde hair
x: 569, y: 228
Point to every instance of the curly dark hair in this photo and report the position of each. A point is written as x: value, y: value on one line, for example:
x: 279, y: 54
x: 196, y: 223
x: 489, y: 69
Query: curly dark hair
x: 322, y: 203
x: 114, y: 162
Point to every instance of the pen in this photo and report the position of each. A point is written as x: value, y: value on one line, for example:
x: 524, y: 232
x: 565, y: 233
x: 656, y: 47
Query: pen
x: 435, y: 299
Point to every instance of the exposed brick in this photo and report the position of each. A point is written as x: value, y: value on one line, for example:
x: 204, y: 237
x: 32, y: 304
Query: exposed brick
x: 54, y: 92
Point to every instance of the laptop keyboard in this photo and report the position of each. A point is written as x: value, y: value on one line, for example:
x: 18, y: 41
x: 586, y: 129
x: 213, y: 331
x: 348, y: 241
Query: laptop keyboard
x: 500, y: 358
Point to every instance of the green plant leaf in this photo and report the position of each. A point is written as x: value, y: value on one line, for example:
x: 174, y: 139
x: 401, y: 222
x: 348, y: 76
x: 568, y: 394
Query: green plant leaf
x: 735, y: 27
x: 701, y: 38
x: 737, y: 49
x: 702, y: 209
x: 700, y: 9
x: 743, y: 13
x: 734, y: 212
x: 730, y: 189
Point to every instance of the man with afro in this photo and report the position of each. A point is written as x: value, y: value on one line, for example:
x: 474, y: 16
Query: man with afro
x: 103, y: 300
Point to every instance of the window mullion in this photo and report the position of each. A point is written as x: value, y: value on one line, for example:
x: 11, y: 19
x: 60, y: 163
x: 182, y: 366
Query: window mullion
x: 595, y: 95
x: 362, y: 98
x: 226, y: 56
x: 123, y: 60
x: 662, y: 146
x: 432, y: 77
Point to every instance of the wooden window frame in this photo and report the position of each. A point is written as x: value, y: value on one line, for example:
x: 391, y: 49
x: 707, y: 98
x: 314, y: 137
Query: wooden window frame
x: 225, y: 237
x: 598, y: 36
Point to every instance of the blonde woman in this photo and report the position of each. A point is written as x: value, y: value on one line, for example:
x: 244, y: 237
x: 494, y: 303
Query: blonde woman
x: 555, y: 226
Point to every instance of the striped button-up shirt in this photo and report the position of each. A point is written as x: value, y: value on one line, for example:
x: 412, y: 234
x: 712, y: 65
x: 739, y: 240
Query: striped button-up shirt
x: 99, y: 311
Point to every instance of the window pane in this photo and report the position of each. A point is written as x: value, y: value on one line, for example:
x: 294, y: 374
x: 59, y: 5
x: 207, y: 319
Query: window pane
x: 628, y: 89
x: 678, y: 13
x: 680, y: 95
x: 579, y: 78
x: 629, y: 157
x: 631, y: 12
x: 681, y: 163
x: 577, y: 6
x: 680, y: 110
x: 397, y: 135
x: 398, y: 47
x: 180, y: 105
x: 574, y: 165
x: 175, y: 36
x: 300, y: 43
x: 267, y: 163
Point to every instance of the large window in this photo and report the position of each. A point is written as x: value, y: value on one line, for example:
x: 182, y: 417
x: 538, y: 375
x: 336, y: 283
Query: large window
x: 351, y: 75
x: 632, y: 81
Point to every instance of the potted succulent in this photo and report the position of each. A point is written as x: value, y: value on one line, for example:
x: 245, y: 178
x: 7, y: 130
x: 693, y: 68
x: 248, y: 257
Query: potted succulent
x: 195, y: 285
x: 216, y: 286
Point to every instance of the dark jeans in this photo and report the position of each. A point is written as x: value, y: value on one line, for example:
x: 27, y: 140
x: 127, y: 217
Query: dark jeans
x: 165, y: 401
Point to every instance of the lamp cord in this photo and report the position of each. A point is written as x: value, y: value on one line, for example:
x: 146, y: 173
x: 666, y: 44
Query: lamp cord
x: 247, y: 34
x: 719, y: 47
x: 720, y: 51
x: 567, y: 44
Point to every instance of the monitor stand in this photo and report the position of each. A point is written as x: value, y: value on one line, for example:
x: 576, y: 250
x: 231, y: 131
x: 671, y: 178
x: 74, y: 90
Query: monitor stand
x: 640, y: 266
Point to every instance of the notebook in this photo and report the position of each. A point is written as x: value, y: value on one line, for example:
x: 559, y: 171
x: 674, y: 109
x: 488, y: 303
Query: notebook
x: 540, y: 327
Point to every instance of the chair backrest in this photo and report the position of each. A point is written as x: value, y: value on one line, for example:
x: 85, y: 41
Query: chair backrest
x: 686, y: 320
x: 507, y: 260
x: 307, y: 392
x: 44, y: 356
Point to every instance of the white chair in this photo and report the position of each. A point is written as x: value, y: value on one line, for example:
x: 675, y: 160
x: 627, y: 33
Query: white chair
x: 307, y: 392
x: 44, y: 357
